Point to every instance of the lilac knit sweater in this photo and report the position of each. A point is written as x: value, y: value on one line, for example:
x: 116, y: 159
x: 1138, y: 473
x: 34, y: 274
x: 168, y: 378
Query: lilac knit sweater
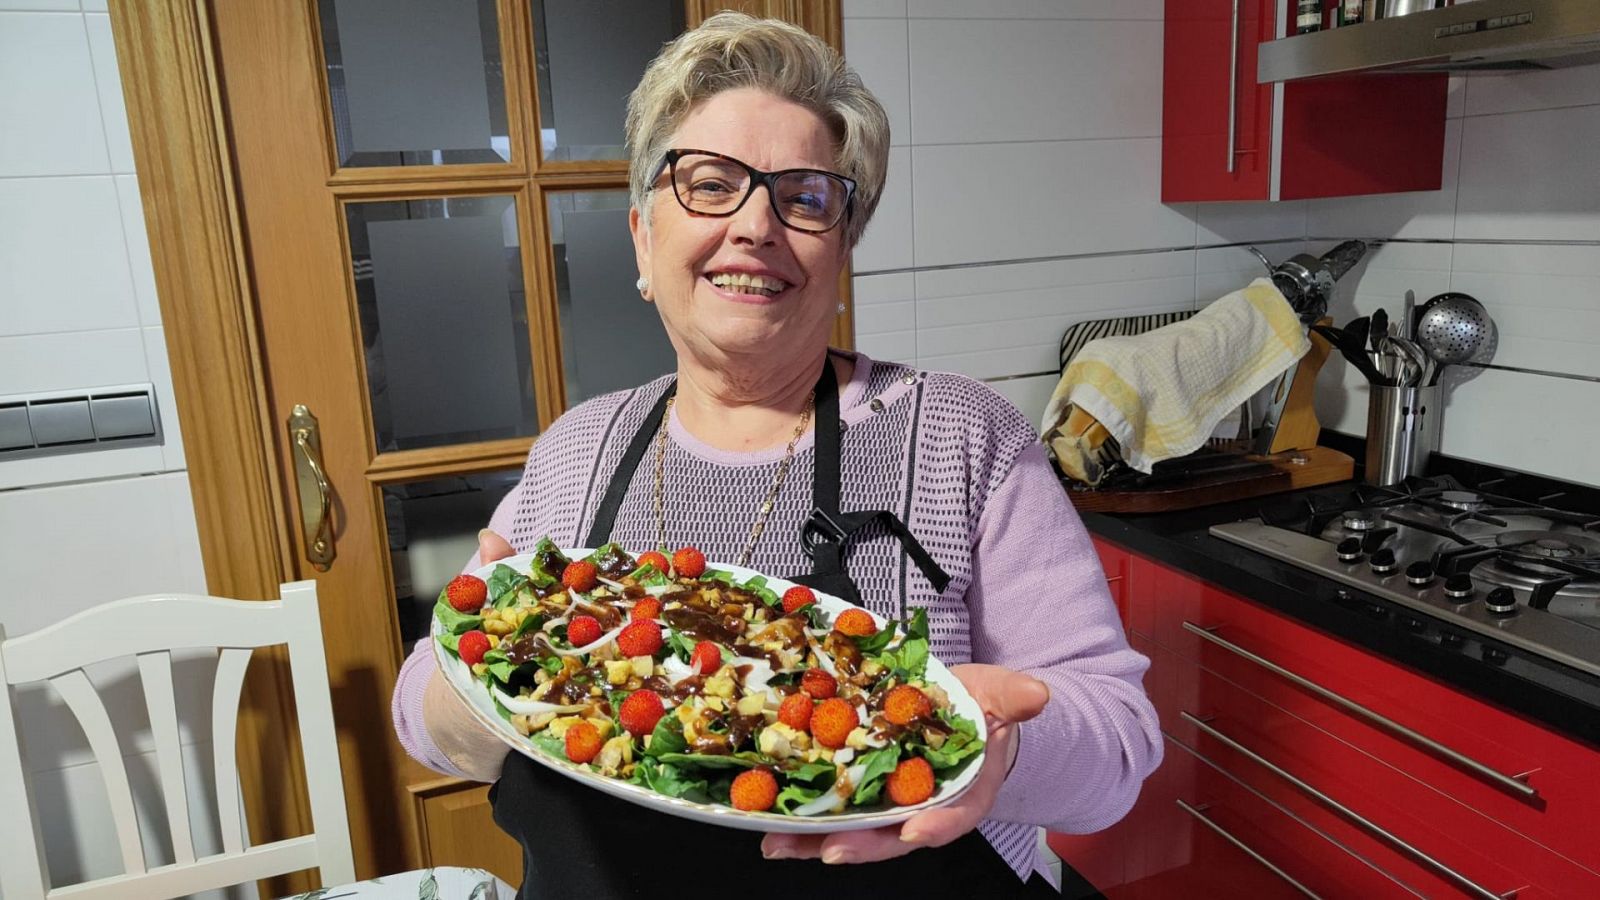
x: 967, y: 474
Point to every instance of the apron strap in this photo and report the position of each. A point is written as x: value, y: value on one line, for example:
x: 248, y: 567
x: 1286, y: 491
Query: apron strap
x: 606, y: 516
x: 824, y: 534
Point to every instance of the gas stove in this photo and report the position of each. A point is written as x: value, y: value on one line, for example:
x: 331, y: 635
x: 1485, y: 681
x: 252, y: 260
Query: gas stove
x: 1490, y: 575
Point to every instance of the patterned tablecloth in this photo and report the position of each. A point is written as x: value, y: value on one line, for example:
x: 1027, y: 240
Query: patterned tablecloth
x: 441, y: 883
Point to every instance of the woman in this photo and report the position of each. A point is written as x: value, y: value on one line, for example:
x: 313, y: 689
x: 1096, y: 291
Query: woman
x: 757, y: 159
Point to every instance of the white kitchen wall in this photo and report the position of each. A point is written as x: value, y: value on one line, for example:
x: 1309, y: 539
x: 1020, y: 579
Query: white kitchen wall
x: 1024, y: 195
x: 78, y: 310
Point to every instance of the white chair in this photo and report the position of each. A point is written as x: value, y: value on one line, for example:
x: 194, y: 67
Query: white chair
x: 149, y: 628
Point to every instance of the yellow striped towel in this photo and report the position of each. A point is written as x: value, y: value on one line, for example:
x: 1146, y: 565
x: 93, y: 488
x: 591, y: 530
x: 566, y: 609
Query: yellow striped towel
x: 1161, y: 393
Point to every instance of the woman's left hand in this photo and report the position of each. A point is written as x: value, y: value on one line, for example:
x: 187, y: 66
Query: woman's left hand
x: 1006, y: 698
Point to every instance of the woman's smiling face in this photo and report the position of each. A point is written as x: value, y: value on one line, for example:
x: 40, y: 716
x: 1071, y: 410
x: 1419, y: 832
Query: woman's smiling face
x: 744, y: 284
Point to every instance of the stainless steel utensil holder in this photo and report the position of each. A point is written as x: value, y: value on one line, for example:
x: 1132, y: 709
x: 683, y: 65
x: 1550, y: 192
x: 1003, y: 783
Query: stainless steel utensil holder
x: 1402, y: 430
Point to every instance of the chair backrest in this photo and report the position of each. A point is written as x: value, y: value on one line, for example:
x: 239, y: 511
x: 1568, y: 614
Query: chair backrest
x: 149, y: 629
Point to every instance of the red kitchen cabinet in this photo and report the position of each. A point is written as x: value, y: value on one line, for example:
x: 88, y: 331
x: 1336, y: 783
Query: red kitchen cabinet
x: 1267, y: 721
x: 1117, y: 564
x: 1225, y: 137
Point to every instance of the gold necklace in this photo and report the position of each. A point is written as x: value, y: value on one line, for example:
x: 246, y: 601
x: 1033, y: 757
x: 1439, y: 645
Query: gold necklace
x: 772, y: 493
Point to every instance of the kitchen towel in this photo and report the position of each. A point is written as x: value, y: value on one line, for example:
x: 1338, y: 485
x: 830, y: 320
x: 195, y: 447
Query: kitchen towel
x: 1160, y: 394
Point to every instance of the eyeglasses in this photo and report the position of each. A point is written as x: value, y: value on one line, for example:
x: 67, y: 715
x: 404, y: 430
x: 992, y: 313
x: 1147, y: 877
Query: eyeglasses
x: 710, y: 184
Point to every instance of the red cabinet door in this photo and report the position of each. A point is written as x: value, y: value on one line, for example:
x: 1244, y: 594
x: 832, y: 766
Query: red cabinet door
x: 1118, y: 567
x: 1216, y: 122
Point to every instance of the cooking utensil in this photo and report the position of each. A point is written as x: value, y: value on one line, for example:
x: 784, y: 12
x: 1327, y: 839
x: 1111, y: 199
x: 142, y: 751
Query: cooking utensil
x: 1402, y: 431
x: 1378, y: 330
x: 1416, y: 360
x: 1454, y: 328
x: 1408, y: 322
x: 1306, y: 281
x: 1352, y: 345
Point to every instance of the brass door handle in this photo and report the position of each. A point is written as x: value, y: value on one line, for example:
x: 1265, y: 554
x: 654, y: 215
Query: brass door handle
x: 316, y: 494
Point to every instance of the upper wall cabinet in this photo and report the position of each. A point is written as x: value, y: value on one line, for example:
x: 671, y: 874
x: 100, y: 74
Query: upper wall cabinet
x: 1225, y: 137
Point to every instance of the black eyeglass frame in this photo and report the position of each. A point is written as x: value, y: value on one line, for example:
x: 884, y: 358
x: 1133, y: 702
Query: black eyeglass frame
x: 669, y: 163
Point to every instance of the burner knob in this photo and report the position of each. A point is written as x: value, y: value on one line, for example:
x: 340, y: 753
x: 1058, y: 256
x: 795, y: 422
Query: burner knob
x: 1458, y: 586
x: 1420, y: 573
x: 1383, y: 562
x: 1501, y: 602
x: 1349, y: 550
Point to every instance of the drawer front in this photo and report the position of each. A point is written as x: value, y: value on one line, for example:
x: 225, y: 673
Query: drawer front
x: 1249, y: 736
x: 1116, y: 562
x: 1411, y: 722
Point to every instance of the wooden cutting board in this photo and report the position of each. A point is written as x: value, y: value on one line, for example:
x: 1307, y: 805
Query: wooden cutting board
x: 1270, y: 475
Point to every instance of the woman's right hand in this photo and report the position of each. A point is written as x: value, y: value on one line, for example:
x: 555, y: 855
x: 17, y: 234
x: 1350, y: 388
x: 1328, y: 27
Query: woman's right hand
x: 474, y: 749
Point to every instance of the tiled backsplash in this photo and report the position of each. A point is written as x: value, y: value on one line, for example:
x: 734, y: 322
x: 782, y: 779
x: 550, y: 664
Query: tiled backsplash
x: 78, y: 310
x: 1024, y: 195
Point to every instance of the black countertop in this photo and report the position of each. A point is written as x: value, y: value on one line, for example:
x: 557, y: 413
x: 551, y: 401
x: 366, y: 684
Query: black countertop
x: 1181, y: 540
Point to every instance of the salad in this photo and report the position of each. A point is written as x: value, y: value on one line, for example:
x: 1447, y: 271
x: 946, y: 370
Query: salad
x: 678, y: 678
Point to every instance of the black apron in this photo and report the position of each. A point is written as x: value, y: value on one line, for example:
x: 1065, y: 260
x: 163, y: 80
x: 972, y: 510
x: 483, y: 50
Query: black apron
x: 579, y: 842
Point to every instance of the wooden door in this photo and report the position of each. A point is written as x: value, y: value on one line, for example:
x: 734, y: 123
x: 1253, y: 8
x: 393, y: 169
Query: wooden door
x: 433, y: 206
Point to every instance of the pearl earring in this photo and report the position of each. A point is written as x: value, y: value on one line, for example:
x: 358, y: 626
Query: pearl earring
x: 643, y: 284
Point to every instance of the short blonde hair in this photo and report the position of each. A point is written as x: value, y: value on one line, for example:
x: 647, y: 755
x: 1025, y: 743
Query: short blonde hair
x: 733, y: 50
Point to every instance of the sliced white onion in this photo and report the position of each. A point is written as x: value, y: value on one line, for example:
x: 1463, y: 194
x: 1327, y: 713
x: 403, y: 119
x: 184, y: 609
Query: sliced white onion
x: 527, y: 707
x: 676, y: 669
x: 611, y: 584
x: 659, y: 590
x: 760, y: 673
x: 830, y: 801
x: 550, y: 626
x: 824, y: 660
x: 604, y: 639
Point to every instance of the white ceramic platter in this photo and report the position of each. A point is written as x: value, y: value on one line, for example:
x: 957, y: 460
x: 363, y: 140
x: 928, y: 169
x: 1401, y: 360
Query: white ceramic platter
x: 473, y: 693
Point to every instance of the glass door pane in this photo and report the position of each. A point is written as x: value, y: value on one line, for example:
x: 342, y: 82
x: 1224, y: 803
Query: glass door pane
x: 588, y: 56
x: 433, y: 531
x: 611, y: 338
x: 444, y: 321
x: 415, y: 82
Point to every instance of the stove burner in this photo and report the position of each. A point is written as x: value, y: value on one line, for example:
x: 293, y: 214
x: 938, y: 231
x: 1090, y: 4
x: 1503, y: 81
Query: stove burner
x: 1564, y: 545
x: 1361, y: 519
x: 1466, y: 501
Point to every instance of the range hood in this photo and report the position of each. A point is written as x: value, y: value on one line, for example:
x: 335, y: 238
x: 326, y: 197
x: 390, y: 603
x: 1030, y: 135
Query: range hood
x: 1494, y: 35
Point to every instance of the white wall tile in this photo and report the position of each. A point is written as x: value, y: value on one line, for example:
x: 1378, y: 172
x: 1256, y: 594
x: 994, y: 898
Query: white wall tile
x: 155, y: 351
x: 1513, y: 419
x: 67, y: 361
x: 108, y: 84
x: 883, y: 318
x: 984, y: 203
x: 1069, y: 290
x: 1037, y: 9
x: 1222, y: 270
x: 1530, y: 176
x: 887, y: 243
x: 63, y: 263
x: 1237, y: 223
x: 867, y: 289
x: 1048, y: 83
x: 897, y: 346
x: 36, y: 5
x: 874, y: 9
x: 1456, y: 99
x: 137, y: 240
x: 1418, y: 215
x: 1030, y: 395
x: 1545, y: 302
x: 1523, y: 91
x: 94, y: 5
x: 143, y: 536
x: 47, y: 97
x: 876, y: 48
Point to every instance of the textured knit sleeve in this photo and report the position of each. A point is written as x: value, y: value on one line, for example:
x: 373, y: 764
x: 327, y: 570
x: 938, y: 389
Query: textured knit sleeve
x: 1038, y: 604
x: 405, y: 706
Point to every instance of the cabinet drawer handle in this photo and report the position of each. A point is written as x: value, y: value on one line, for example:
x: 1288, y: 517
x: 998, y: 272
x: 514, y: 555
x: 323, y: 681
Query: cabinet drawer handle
x: 1467, y: 884
x: 1199, y: 813
x: 1233, y: 86
x: 1500, y: 779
